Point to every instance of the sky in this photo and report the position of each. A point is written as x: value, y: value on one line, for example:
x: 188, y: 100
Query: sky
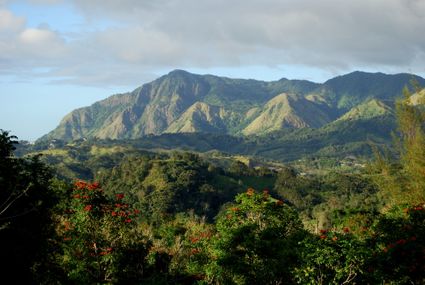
x: 58, y: 55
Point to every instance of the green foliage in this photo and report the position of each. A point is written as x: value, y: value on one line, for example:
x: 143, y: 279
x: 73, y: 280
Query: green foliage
x: 335, y: 141
x: 7, y: 145
x: 98, y: 239
x: 411, y: 122
x: 179, y: 183
x: 399, y: 237
x: 186, y: 240
x: 299, y: 191
x: 238, y: 169
x: 403, y: 180
x: 190, y: 231
x: 26, y: 200
x: 254, y: 242
x: 330, y: 200
x: 332, y: 258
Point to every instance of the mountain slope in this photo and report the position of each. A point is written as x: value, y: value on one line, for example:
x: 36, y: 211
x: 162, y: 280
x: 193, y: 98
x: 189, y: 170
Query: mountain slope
x: 418, y: 98
x: 185, y: 102
x: 287, y: 111
x: 349, y: 90
x: 200, y: 117
x: 368, y: 110
x: 86, y: 121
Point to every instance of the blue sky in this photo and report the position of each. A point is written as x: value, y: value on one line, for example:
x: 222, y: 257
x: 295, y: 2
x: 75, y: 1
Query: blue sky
x: 58, y: 55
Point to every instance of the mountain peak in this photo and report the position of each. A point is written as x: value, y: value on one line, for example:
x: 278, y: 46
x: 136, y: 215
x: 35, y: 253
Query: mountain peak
x: 355, y: 75
x: 364, y: 75
x: 182, y: 101
x: 179, y: 72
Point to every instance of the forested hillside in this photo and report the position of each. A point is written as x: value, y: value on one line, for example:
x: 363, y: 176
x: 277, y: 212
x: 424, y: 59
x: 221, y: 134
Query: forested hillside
x: 94, y: 212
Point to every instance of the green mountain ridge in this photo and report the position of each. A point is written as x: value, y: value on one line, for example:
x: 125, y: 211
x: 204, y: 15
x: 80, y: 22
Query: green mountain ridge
x: 367, y: 110
x: 287, y: 111
x: 184, y: 102
x: 198, y: 118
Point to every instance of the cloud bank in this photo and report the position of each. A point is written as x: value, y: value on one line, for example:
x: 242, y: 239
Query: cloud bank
x: 141, y: 38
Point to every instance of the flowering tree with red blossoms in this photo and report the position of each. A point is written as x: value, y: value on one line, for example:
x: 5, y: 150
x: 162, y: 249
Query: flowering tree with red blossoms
x: 399, y: 239
x: 96, y: 235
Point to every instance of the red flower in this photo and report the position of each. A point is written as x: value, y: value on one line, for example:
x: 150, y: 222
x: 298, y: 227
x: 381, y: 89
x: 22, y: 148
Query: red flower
x: 279, y: 202
x: 136, y: 212
x: 235, y: 209
x: 86, y: 197
x: 322, y: 236
x: 77, y: 196
x: 194, y: 251
x: 194, y: 239
x: 128, y: 221
x: 334, y: 238
x: 401, y: 241
x: 80, y: 184
x: 88, y: 208
x: 323, y: 231
x: 113, y: 213
x: 118, y: 205
x: 93, y: 186
x: 346, y: 230
x: 67, y: 238
x: 67, y: 226
x: 119, y: 196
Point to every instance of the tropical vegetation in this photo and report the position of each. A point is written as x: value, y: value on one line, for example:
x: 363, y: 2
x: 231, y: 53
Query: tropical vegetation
x: 102, y: 212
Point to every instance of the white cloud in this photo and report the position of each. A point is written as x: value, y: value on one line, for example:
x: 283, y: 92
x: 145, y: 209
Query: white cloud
x: 36, y: 36
x: 23, y: 50
x: 143, y: 36
x: 9, y: 22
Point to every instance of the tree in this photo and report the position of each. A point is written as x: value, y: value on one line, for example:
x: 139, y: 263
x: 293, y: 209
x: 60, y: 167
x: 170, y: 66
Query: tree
x: 26, y: 199
x: 99, y: 240
x: 255, y: 241
x: 9, y: 194
x: 403, y: 181
x: 332, y: 258
x: 411, y: 125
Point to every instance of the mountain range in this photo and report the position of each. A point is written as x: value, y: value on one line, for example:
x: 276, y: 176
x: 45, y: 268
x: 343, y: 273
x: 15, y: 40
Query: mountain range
x: 182, y: 102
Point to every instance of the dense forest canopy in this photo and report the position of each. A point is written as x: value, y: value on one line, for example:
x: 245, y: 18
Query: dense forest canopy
x: 92, y: 213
